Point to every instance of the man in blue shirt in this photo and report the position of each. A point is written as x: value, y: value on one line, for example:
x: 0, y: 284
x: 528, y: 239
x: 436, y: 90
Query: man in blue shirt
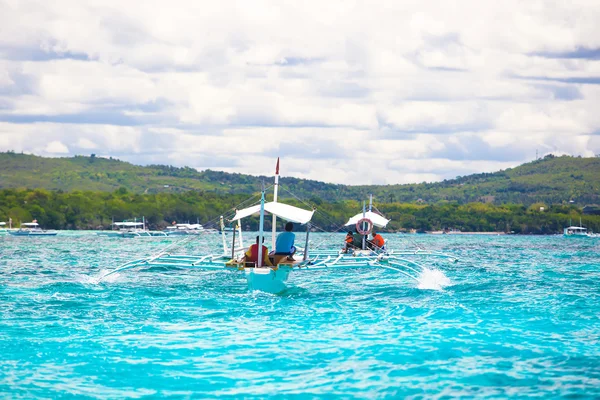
x: 285, y: 241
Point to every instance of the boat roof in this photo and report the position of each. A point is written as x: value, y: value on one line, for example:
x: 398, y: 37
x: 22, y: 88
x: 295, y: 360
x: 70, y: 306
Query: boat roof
x: 577, y: 228
x: 283, y: 211
x: 30, y: 224
x: 129, y: 223
x: 377, y: 219
x: 2, y: 223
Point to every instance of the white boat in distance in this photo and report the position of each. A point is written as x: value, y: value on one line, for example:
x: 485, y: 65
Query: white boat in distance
x: 187, y: 229
x: 576, y: 232
x: 32, y: 229
x: 129, y: 229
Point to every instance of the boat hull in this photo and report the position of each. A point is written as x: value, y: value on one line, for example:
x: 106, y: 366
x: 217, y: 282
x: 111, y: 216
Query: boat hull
x: 268, y: 280
x: 49, y: 233
x: 110, y: 234
x: 132, y: 234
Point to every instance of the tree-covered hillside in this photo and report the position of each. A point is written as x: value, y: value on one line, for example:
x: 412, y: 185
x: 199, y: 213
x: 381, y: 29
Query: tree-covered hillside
x: 96, y: 210
x: 552, y: 180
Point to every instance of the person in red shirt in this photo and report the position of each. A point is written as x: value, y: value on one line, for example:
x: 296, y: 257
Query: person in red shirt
x: 251, y: 255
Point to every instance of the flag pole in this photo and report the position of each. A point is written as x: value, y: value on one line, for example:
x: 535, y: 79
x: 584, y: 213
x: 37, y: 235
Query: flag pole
x: 275, y: 189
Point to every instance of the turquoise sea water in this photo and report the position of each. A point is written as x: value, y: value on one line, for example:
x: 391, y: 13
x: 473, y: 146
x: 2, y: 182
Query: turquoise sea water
x: 519, y: 318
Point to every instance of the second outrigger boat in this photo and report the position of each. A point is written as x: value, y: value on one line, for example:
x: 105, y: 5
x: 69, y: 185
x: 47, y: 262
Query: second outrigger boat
x: 273, y: 279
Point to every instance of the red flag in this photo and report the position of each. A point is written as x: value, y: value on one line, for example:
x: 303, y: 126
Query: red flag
x: 277, y: 167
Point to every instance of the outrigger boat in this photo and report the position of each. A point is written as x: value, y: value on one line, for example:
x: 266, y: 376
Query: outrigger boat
x: 364, y: 223
x: 32, y: 229
x: 577, y: 232
x: 130, y: 229
x: 273, y: 279
x: 187, y: 229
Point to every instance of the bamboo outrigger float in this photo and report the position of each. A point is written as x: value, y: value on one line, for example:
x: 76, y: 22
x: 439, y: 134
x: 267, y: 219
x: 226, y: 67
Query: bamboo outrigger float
x: 272, y: 279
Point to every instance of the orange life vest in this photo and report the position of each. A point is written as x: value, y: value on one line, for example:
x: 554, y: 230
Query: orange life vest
x: 378, y: 240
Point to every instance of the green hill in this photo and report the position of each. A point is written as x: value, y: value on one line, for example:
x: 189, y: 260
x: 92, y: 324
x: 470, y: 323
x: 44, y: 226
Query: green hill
x: 552, y: 180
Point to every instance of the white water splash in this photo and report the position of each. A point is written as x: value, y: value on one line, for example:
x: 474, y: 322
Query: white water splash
x: 86, y: 279
x: 95, y: 280
x: 433, y: 279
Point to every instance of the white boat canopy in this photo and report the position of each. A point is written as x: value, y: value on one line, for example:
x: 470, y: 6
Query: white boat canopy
x: 30, y: 224
x: 376, y: 219
x: 284, y: 211
x: 129, y: 223
x: 2, y: 223
x: 576, y: 228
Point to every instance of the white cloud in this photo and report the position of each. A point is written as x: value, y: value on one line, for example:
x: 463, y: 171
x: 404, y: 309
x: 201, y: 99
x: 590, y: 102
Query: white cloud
x: 84, y: 143
x: 56, y: 147
x: 346, y: 92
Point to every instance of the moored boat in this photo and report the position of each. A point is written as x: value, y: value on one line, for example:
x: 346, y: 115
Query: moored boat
x: 184, y: 229
x: 577, y: 231
x: 32, y: 229
x: 130, y: 229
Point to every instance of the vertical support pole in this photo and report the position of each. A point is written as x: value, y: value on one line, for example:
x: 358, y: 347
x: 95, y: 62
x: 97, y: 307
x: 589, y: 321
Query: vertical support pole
x: 223, y: 236
x: 275, y: 190
x: 260, y: 229
x: 306, y: 242
x: 239, y: 229
x: 364, y: 240
x: 233, y: 246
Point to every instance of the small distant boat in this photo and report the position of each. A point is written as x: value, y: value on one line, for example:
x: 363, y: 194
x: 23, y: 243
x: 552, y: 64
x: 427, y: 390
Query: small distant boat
x: 32, y: 229
x: 129, y: 229
x: 184, y: 229
x: 577, y: 231
x: 2, y: 228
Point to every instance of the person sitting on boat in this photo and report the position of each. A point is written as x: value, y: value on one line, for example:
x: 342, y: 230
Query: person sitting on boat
x: 251, y: 255
x: 357, y: 240
x: 284, y: 245
x: 377, y: 242
x: 348, y: 242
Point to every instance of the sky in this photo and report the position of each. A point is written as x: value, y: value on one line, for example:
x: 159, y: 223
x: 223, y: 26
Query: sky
x: 373, y: 92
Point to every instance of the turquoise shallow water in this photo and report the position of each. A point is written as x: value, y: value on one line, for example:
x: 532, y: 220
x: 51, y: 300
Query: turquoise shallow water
x: 519, y: 319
